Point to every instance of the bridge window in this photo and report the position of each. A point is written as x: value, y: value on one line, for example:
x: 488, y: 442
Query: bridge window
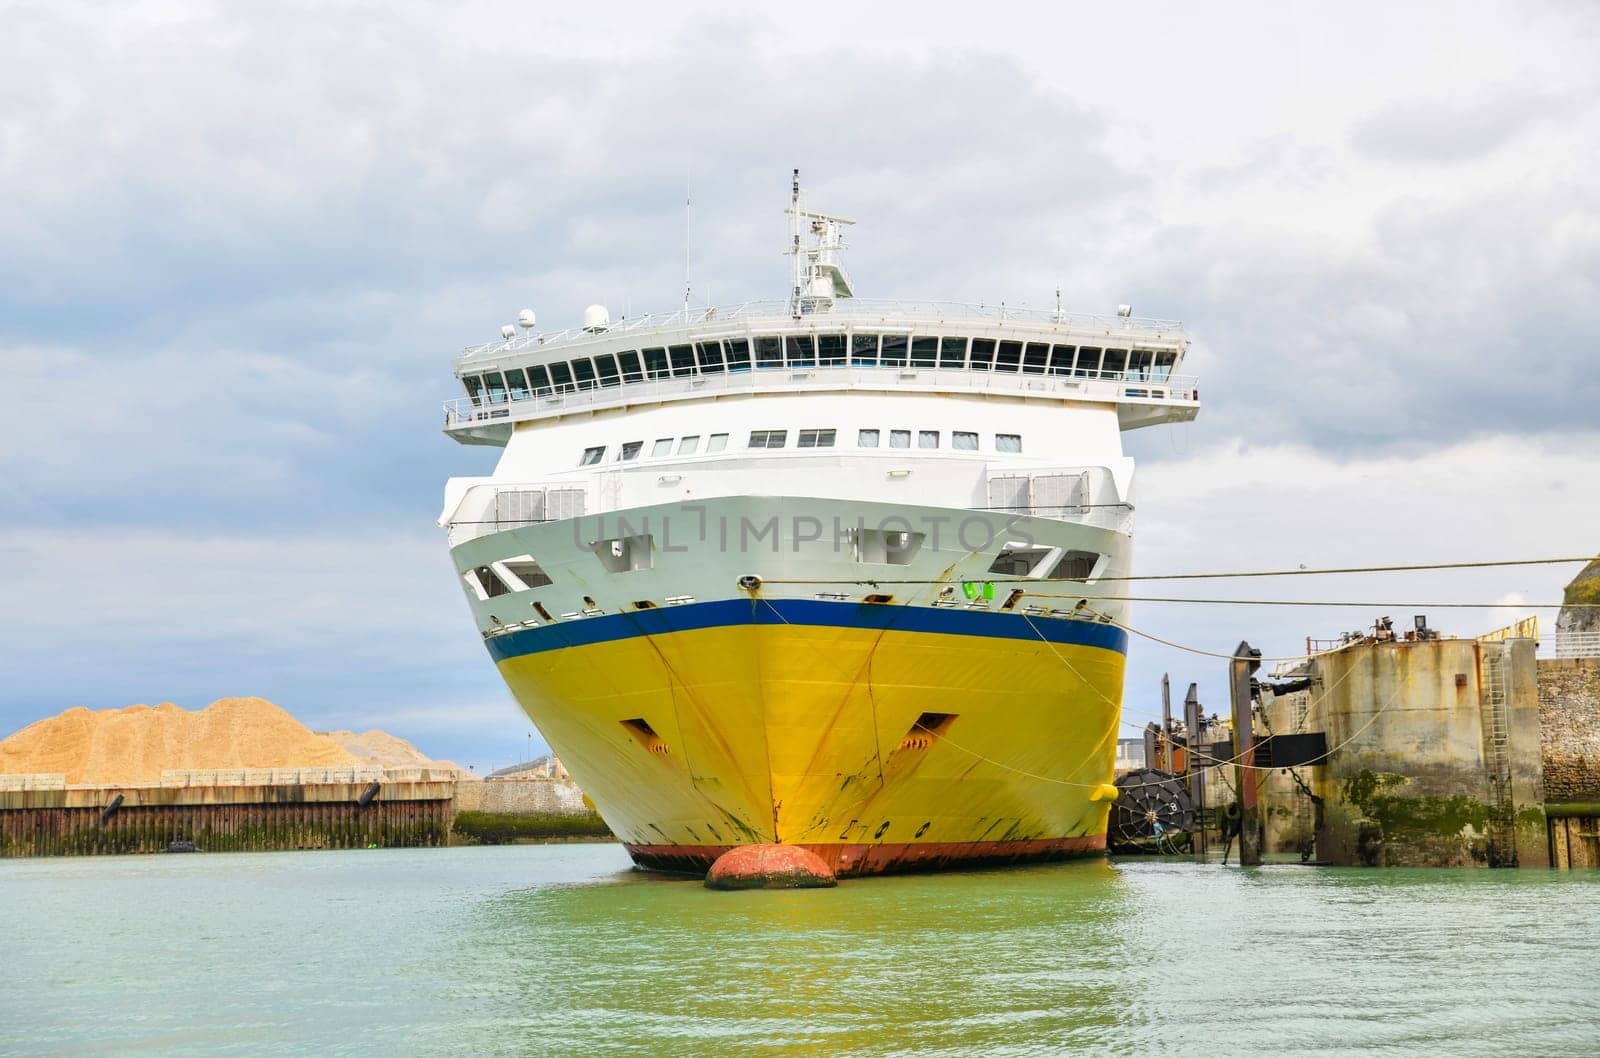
x: 738, y: 354
x: 517, y: 383
x: 894, y: 350
x: 867, y: 439
x: 769, y: 352
x: 964, y: 441
x: 1007, y: 442
x: 982, y: 353
x: 1061, y: 359
x: 716, y: 442
x: 815, y: 439
x: 1034, y: 358
x: 1165, y: 362
x: 952, y: 352
x: 927, y: 438
x: 802, y: 350
x: 924, y: 352
x: 655, y: 363
x: 606, y: 365
x: 710, y: 356
x: 591, y: 456
x: 631, y: 371
x: 474, y: 386
x: 1008, y: 356
x: 683, y: 360
x: 540, y: 378
x: 630, y: 451
x: 864, y: 350
x: 830, y: 349
x: 768, y: 438
x: 496, y: 385
x: 561, y: 376
x: 1139, y: 364
x: 1088, y: 362
x: 583, y: 371
x: 689, y: 445
x: 1116, y: 361
x: 899, y: 438
x: 662, y: 447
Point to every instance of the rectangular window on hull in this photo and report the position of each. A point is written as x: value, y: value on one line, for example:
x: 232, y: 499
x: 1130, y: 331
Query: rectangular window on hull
x: 1061, y: 359
x: 924, y: 352
x: 1034, y: 358
x: 630, y: 451
x: 1008, y: 356
x: 927, y: 438
x: 591, y: 456
x: 517, y: 383
x: 769, y: 352
x: 867, y: 439
x: 561, y: 377
x: 1116, y: 361
x: 964, y: 441
x: 717, y: 442
x: 689, y: 445
x: 815, y: 439
x: 606, y: 365
x: 1088, y: 362
x: 655, y: 363
x: 662, y: 447
x: 738, y: 354
x: 631, y: 369
x: 1007, y: 442
x: 540, y: 379
x: 682, y: 360
x: 710, y: 356
x: 864, y: 350
x: 768, y: 438
x: 583, y: 372
x: 894, y: 350
x: 982, y: 353
x: 952, y: 352
x: 899, y: 438
x: 801, y: 349
x: 830, y: 349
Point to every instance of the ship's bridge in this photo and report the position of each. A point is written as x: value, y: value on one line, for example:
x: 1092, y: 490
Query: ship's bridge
x: 851, y: 345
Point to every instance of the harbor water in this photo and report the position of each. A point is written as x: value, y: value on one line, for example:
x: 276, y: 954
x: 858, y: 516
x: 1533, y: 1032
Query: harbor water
x: 530, y: 950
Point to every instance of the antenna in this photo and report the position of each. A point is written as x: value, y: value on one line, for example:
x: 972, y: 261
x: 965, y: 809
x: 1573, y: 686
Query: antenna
x: 687, y: 200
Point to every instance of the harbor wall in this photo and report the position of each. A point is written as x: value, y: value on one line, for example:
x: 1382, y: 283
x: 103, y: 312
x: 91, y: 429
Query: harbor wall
x: 42, y: 816
x: 1569, y: 715
x: 1435, y: 757
x: 520, y: 795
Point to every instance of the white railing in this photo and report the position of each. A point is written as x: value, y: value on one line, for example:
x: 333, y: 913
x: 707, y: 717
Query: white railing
x: 1576, y: 645
x: 1120, y: 388
x: 891, y: 312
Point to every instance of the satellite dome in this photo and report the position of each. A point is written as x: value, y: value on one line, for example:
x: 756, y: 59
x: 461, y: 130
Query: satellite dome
x: 526, y: 318
x: 507, y: 331
x: 596, y: 318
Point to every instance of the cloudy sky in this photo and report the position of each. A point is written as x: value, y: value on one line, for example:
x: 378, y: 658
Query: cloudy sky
x: 239, y: 245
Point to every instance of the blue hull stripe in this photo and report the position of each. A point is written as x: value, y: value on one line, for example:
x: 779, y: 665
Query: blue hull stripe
x: 814, y: 612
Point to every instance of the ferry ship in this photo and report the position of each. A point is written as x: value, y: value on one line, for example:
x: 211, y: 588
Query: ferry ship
x: 822, y: 571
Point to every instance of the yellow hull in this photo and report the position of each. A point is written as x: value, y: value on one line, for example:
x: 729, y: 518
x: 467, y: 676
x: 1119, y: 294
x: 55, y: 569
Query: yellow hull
x: 881, y: 742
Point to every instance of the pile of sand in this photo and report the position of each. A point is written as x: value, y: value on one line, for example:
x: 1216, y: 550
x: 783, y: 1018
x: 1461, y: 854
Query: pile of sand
x: 382, y: 748
x: 135, y: 745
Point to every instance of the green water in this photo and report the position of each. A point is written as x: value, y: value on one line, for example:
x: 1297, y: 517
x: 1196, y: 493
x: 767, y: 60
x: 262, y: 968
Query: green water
x: 564, y: 950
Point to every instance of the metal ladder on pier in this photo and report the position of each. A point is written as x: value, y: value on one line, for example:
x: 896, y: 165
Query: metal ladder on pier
x: 1497, y: 757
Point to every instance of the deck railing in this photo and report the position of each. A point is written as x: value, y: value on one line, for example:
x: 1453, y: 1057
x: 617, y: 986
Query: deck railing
x: 891, y: 312
x: 1101, y: 386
